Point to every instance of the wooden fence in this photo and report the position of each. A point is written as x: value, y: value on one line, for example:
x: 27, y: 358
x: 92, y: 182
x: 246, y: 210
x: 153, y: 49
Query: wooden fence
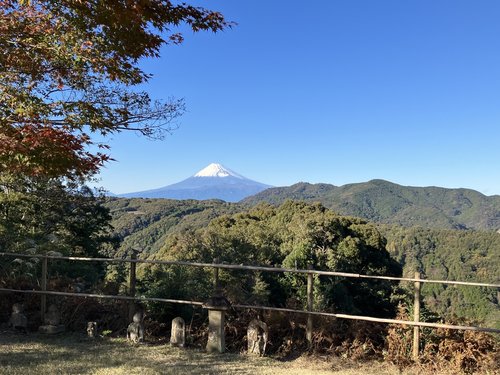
x: 416, y: 323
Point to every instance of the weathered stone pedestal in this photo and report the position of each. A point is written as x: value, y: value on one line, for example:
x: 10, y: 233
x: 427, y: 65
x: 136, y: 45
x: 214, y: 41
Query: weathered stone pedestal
x: 51, y: 330
x: 217, y: 307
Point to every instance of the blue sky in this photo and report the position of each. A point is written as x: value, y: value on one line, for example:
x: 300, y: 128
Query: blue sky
x: 329, y: 91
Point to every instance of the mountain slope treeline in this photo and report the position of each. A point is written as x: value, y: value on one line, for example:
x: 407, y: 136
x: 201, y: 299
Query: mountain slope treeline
x: 294, y: 235
x: 170, y: 229
x: 460, y: 255
x: 385, y: 202
x: 145, y: 223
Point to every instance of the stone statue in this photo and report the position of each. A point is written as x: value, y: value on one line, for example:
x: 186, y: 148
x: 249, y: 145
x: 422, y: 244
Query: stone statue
x: 257, y: 335
x: 52, y: 316
x: 178, y: 332
x: 135, y: 330
x: 18, y: 320
x: 52, y: 322
x: 92, y: 329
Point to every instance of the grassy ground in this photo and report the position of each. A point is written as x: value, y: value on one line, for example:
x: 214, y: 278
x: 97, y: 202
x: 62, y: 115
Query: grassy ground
x: 75, y: 354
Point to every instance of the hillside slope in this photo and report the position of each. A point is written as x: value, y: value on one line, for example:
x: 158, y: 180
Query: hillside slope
x: 451, y: 255
x: 151, y: 224
x: 385, y: 202
x: 145, y: 223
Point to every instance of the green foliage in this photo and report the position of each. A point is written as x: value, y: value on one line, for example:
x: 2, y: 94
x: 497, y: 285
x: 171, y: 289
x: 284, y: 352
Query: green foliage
x: 385, y: 202
x: 292, y: 235
x: 173, y: 282
x: 451, y: 255
x: 47, y: 215
x: 146, y: 223
x: 267, y: 235
x: 40, y: 216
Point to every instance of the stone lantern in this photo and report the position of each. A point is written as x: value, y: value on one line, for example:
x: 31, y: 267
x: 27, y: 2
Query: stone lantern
x: 217, y: 307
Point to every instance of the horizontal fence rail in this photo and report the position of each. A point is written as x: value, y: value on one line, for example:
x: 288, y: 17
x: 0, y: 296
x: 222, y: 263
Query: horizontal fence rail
x: 252, y: 307
x: 416, y: 323
x: 102, y: 296
x: 255, y: 268
x: 377, y: 320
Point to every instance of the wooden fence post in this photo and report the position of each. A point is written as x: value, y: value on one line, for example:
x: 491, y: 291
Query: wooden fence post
x: 43, y: 305
x: 216, y: 276
x: 309, y: 328
x: 416, y: 318
x: 216, y: 306
x: 132, y: 283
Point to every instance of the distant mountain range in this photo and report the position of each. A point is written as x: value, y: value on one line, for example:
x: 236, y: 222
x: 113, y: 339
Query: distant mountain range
x: 212, y: 182
x: 385, y: 202
x: 377, y: 200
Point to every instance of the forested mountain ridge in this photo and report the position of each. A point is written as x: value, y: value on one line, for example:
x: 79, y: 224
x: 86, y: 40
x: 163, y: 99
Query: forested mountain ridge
x: 389, y: 203
x: 154, y: 225
x: 145, y: 223
x: 443, y: 254
x: 159, y: 226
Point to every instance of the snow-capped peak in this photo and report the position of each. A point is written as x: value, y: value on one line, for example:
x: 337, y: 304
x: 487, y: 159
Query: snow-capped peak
x: 217, y: 170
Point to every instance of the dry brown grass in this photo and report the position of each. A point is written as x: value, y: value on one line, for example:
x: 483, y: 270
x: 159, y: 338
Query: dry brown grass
x: 76, y: 354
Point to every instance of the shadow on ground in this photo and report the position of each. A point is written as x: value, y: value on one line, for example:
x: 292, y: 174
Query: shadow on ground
x: 76, y: 354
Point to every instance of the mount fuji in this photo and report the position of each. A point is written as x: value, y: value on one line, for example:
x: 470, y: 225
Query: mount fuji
x: 212, y: 182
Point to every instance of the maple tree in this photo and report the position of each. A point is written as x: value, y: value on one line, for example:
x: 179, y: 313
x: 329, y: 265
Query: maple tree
x: 68, y: 70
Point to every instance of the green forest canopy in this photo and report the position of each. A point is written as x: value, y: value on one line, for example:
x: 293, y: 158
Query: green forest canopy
x: 444, y: 254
